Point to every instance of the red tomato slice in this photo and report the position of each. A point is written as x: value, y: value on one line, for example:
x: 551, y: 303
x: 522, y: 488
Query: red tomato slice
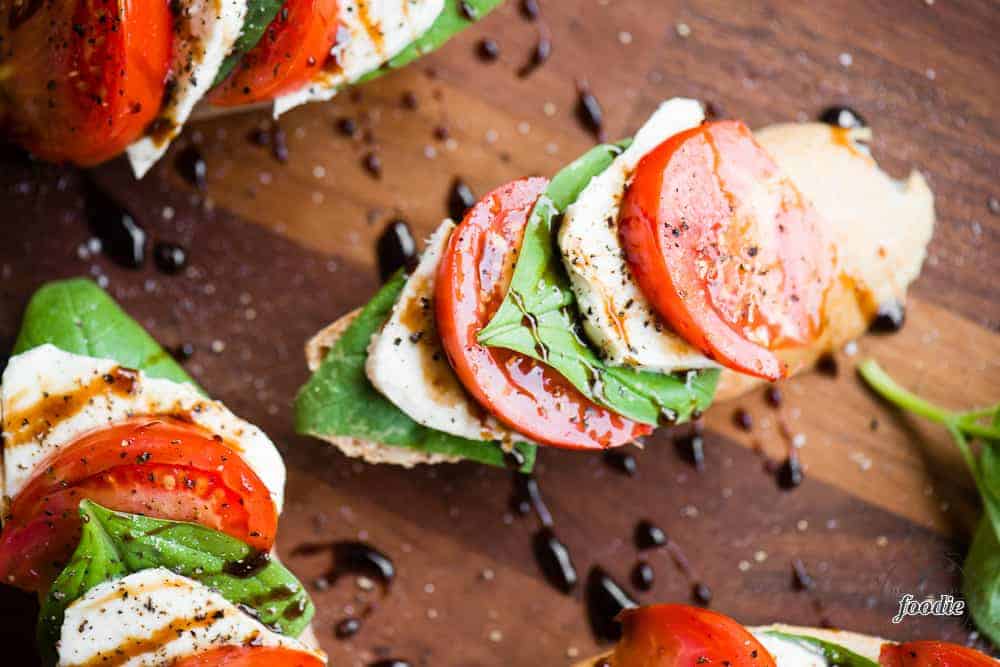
x: 161, y: 467
x: 676, y: 635
x: 250, y: 656
x: 473, y: 277
x: 725, y: 247
x: 83, y: 79
x: 932, y: 654
x: 294, y: 47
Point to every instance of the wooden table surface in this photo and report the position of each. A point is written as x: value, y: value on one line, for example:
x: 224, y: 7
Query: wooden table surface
x: 279, y: 249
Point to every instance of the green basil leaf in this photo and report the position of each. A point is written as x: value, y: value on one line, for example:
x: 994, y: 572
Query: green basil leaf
x: 449, y: 23
x: 115, y: 544
x: 260, y: 13
x: 78, y: 316
x: 834, y: 654
x: 339, y: 400
x: 538, y: 317
x: 94, y: 561
x: 981, y: 580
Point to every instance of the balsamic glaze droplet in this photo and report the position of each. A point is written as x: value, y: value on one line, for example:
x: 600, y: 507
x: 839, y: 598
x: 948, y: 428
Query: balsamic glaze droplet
x: 372, y: 164
x: 621, y: 461
x: 605, y: 599
x: 489, y: 50
x: 554, y: 560
x: 588, y: 111
x: 527, y: 496
x: 122, y: 239
x: 530, y: 9
x: 790, y: 474
x: 347, y: 126
x: 743, y: 420
x: 889, y: 318
x: 249, y: 566
x: 691, y: 448
x: 460, y: 200
x: 391, y: 662
x: 514, y: 459
x: 643, y: 576
x: 353, y: 558
x: 773, y: 396
x: 842, y: 116
x: 801, y: 581
x: 191, y: 166
x: 169, y: 257
x: 469, y: 10
x: 396, y: 249
x: 347, y: 627
x: 827, y: 365
x: 648, y: 535
x: 701, y: 593
x: 279, y: 144
x: 540, y: 54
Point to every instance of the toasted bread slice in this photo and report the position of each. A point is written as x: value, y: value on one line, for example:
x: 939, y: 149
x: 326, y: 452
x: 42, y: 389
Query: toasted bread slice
x: 372, y: 452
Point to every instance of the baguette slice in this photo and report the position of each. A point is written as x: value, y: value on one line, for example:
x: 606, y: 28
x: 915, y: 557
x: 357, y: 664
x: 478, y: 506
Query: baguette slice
x: 366, y: 450
x: 864, y: 645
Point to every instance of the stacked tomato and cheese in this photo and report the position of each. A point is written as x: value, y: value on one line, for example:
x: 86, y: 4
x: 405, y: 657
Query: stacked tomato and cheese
x: 702, y: 245
x: 77, y: 427
x: 674, y: 635
x: 84, y: 81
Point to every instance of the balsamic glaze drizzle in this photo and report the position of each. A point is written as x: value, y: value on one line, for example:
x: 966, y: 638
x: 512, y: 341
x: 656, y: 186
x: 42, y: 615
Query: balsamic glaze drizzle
x: 605, y: 599
x: 395, y: 249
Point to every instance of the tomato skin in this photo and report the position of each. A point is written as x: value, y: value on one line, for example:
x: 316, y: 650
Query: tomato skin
x: 295, y: 46
x: 932, y: 654
x: 472, y: 281
x: 250, y: 656
x: 83, y: 79
x: 676, y: 635
x: 725, y: 247
x: 161, y: 467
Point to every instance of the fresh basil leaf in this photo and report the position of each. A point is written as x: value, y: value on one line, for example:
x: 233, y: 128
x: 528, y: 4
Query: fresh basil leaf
x: 260, y: 13
x: 834, y: 654
x: 449, y: 23
x: 339, y: 400
x: 94, y: 561
x: 115, y: 544
x: 78, y: 316
x: 538, y: 317
x: 981, y: 580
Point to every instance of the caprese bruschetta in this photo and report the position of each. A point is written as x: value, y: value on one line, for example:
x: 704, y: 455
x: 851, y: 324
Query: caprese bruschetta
x: 673, y: 635
x: 82, y: 81
x: 142, y: 512
x: 645, y: 278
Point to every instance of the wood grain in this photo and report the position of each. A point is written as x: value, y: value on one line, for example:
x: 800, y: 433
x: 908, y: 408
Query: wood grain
x: 279, y: 250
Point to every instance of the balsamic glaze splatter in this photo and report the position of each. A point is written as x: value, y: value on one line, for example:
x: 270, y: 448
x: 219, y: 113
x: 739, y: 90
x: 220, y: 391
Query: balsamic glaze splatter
x: 889, y: 318
x: 526, y: 496
x: 773, y: 396
x: 643, y: 576
x: 460, y: 200
x: 554, y: 560
x: 190, y: 164
x: 827, y: 364
x: 391, y: 662
x: 588, y: 111
x: 347, y: 627
x: 169, y: 257
x: 353, y: 558
x: 530, y: 9
x: 248, y: 567
x: 842, y: 116
x: 122, y: 238
x: 701, y: 593
x: 743, y: 420
x: 395, y: 249
x: 801, y: 581
x: 621, y: 460
x: 605, y: 599
x: 648, y: 535
x: 489, y: 50
x: 372, y: 164
x: 540, y: 54
x: 790, y: 474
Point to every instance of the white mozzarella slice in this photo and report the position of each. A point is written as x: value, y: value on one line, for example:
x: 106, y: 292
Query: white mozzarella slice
x: 49, y: 398
x: 373, y: 32
x: 788, y: 653
x: 154, y: 617
x: 408, y: 366
x: 617, y: 317
x: 880, y: 226
x: 205, y: 33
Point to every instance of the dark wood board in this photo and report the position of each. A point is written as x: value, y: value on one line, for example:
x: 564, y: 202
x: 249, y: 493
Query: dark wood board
x: 881, y: 513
